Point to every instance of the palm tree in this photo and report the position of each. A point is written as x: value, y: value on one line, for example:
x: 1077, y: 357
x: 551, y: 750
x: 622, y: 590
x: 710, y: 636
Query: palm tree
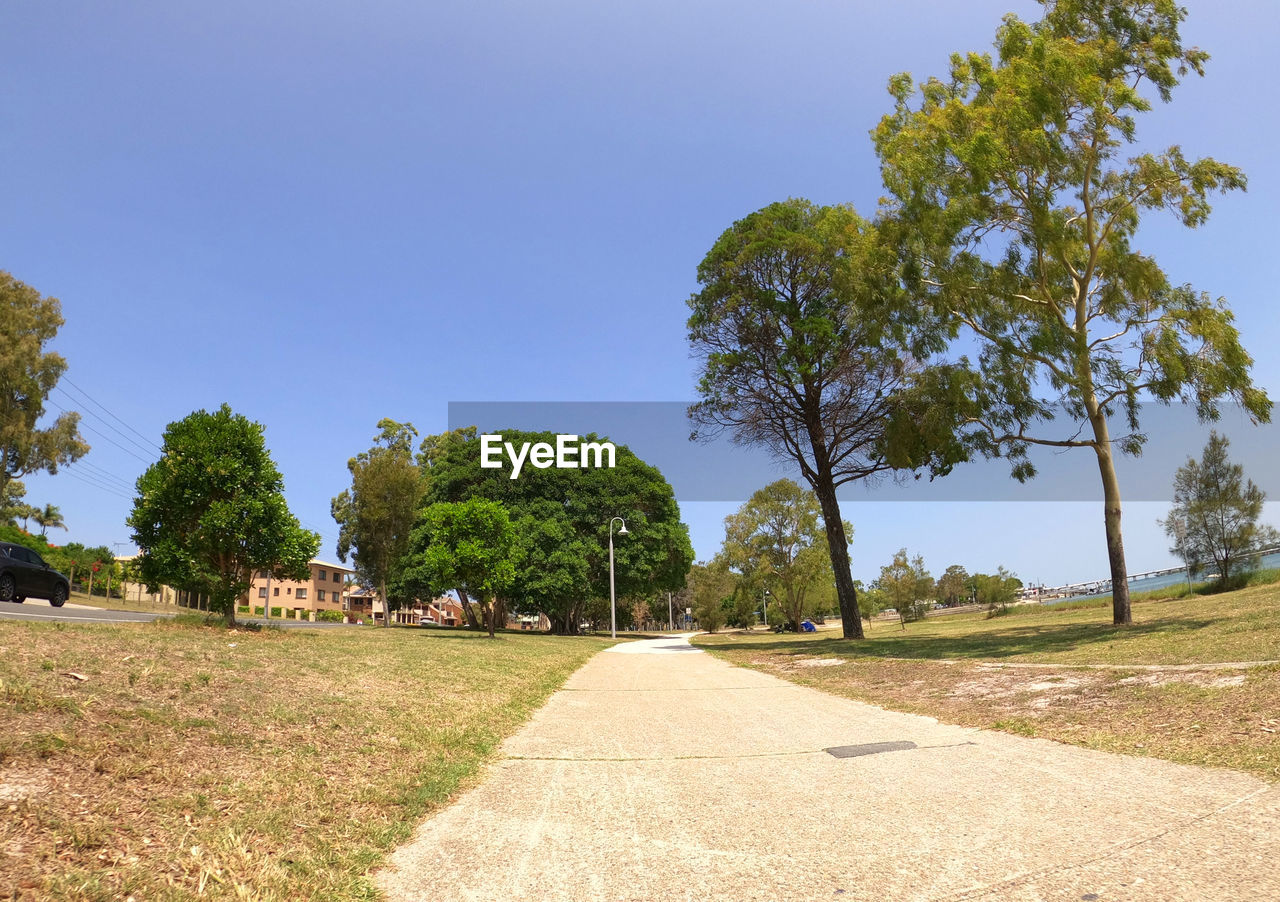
x: 26, y: 513
x: 49, y: 517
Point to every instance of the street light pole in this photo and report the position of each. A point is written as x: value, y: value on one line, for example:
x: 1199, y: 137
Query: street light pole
x: 613, y: 601
x: 671, y: 619
x: 764, y: 608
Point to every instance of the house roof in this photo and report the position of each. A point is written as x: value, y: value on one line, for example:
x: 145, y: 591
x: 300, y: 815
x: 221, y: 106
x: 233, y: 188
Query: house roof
x: 320, y: 563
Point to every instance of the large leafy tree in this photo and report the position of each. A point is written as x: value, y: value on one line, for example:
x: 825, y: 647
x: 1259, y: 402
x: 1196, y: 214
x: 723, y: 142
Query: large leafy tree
x: 1215, y: 513
x: 1019, y: 197
x: 777, y: 540
x: 28, y: 322
x: 806, y: 350
x: 211, y: 511
x: 561, y: 518
x: 376, y: 515
x: 470, y: 545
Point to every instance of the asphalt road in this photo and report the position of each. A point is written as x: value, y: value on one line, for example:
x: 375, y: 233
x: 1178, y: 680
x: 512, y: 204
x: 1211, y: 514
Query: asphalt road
x: 672, y: 775
x: 37, y: 609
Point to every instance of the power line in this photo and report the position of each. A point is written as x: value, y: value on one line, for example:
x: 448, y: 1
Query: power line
x: 145, y: 449
x: 95, y: 470
x: 104, y: 435
x: 148, y: 441
x: 102, y: 487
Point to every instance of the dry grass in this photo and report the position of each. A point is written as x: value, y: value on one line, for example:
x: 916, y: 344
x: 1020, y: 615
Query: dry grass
x: 170, y: 761
x: 1068, y: 675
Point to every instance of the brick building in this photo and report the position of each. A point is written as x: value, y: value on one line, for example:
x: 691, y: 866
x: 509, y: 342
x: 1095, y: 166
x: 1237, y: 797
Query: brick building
x: 323, y: 591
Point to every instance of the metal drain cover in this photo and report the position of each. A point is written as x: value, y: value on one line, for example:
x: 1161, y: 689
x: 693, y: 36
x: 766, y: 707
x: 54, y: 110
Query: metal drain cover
x: 868, y: 748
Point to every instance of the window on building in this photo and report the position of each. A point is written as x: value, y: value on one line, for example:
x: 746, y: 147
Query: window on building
x: 300, y: 594
x: 319, y: 594
x: 337, y: 577
x: 262, y: 591
x: 322, y: 575
x: 277, y: 591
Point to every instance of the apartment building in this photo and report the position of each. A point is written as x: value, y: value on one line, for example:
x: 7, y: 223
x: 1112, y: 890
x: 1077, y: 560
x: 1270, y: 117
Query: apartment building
x: 321, y: 592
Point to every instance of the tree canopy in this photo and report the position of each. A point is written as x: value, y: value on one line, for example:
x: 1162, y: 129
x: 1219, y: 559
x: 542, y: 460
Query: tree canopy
x: 211, y: 511
x: 375, y: 516
x: 777, y: 540
x: 1215, y: 513
x: 807, y: 348
x: 28, y: 322
x: 469, y: 545
x: 907, y: 586
x: 561, y: 519
x: 1016, y: 203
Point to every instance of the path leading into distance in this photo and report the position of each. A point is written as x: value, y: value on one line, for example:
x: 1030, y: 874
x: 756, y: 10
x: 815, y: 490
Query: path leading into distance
x: 659, y: 772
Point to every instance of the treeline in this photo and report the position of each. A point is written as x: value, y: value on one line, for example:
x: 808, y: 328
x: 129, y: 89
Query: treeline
x: 424, y: 518
x: 775, y: 564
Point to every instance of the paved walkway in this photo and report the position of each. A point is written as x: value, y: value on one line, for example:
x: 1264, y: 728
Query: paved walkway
x: 659, y: 772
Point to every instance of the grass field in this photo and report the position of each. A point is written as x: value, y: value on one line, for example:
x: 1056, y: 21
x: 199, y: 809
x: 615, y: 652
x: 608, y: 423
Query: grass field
x: 174, y: 760
x: 1065, y: 673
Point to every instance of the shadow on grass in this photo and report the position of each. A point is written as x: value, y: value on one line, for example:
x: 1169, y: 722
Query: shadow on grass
x: 1004, y: 642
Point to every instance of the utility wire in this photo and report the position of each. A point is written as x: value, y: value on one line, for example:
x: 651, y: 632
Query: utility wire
x: 107, y: 475
x: 145, y: 449
x: 99, y: 486
x: 153, y: 445
x: 104, y: 435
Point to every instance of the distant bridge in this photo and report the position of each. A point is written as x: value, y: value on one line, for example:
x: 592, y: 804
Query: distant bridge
x: 1103, y: 586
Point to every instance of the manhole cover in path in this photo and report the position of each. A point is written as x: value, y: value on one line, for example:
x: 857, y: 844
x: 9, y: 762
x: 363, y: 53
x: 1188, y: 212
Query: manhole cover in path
x: 868, y: 748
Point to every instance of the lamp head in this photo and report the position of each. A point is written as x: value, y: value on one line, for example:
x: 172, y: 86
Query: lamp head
x: 623, y: 530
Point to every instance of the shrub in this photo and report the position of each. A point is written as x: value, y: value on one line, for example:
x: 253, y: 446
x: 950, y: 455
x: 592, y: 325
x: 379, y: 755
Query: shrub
x: 329, y: 616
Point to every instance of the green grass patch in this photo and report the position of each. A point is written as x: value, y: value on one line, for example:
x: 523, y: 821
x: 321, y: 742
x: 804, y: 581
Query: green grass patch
x: 1232, y: 626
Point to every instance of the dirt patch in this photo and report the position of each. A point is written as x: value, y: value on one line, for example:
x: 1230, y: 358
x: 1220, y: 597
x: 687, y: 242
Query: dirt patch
x: 20, y: 785
x: 820, y: 662
x: 1190, y: 677
x: 1217, y: 715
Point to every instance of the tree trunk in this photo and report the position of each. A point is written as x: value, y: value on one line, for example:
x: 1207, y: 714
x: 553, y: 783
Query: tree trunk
x: 386, y: 604
x: 1121, y: 615
x: 468, y: 611
x: 491, y: 614
x: 846, y: 594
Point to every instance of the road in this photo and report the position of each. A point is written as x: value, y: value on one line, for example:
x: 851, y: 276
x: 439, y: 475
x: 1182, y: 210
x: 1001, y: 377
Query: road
x: 37, y: 609
x: 660, y: 772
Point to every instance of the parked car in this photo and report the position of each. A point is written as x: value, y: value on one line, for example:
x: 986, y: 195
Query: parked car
x: 24, y: 574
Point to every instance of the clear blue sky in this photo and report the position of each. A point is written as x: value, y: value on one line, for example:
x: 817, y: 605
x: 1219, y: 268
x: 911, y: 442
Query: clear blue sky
x: 327, y: 213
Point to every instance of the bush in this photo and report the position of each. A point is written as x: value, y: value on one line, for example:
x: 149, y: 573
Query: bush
x: 15, y: 535
x: 329, y: 616
x: 242, y: 609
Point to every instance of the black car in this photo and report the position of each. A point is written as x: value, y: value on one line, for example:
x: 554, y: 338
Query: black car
x: 23, y: 574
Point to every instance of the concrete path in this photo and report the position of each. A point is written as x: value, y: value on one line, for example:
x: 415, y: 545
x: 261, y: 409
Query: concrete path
x: 659, y: 772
